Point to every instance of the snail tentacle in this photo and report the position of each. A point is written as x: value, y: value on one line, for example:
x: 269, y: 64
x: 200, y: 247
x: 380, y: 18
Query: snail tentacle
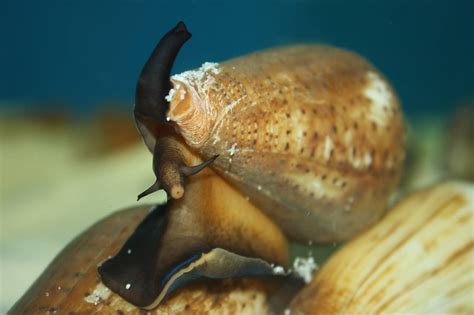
x: 170, y: 168
x: 155, y: 187
x: 192, y: 170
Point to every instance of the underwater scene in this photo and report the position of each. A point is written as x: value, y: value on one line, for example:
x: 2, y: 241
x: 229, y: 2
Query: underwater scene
x: 237, y: 157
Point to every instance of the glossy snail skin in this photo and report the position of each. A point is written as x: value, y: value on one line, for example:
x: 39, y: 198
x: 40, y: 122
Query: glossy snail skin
x: 312, y: 134
x: 418, y: 260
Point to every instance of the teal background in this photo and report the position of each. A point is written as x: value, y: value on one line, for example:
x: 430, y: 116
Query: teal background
x: 80, y: 54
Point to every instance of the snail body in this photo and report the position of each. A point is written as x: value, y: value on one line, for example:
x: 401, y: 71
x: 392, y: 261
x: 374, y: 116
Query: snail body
x: 312, y: 134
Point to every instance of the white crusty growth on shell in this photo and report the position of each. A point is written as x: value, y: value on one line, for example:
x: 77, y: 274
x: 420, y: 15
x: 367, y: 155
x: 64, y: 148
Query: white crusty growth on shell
x: 233, y: 149
x: 278, y: 270
x: 100, y: 293
x: 191, y: 86
x: 304, y: 268
x: 199, y: 74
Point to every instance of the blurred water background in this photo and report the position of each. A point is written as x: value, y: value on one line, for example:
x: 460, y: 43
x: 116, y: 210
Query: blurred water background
x: 69, y: 152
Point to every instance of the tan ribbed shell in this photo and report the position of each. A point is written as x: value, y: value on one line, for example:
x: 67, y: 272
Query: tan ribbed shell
x: 418, y: 260
x: 312, y: 134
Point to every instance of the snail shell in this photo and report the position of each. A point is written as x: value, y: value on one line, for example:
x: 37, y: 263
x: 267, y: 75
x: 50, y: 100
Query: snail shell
x: 418, y: 260
x: 313, y: 134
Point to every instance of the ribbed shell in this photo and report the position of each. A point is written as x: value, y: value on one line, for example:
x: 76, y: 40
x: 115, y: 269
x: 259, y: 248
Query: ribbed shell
x: 312, y: 134
x: 418, y: 260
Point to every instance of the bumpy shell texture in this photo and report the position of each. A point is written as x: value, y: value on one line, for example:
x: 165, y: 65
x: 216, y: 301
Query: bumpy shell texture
x: 418, y: 260
x: 312, y: 134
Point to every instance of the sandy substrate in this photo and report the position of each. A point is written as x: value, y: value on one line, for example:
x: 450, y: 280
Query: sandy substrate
x: 51, y: 190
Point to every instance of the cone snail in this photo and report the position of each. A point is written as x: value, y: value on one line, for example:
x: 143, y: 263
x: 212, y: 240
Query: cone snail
x: 313, y: 135
x: 304, y: 142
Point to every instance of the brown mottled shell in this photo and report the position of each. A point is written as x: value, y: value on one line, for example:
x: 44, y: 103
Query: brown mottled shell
x: 312, y: 134
x: 71, y: 285
x: 418, y: 260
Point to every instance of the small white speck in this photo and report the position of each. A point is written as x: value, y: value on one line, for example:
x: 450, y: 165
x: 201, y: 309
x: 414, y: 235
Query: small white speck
x: 59, y: 288
x: 367, y: 159
x: 109, y: 257
x: 328, y: 146
x: 304, y: 268
x: 170, y: 95
x: 310, y: 243
x: 378, y: 91
x: 210, y: 67
x: 233, y: 149
x: 259, y: 187
x: 356, y: 163
x: 101, y: 293
x: 129, y: 251
x: 182, y: 95
x: 47, y: 294
x: 287, y: 312
x: 127, y: 286
x: 278, y: 270
x: 167, y: 118
x: 216, y: 139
